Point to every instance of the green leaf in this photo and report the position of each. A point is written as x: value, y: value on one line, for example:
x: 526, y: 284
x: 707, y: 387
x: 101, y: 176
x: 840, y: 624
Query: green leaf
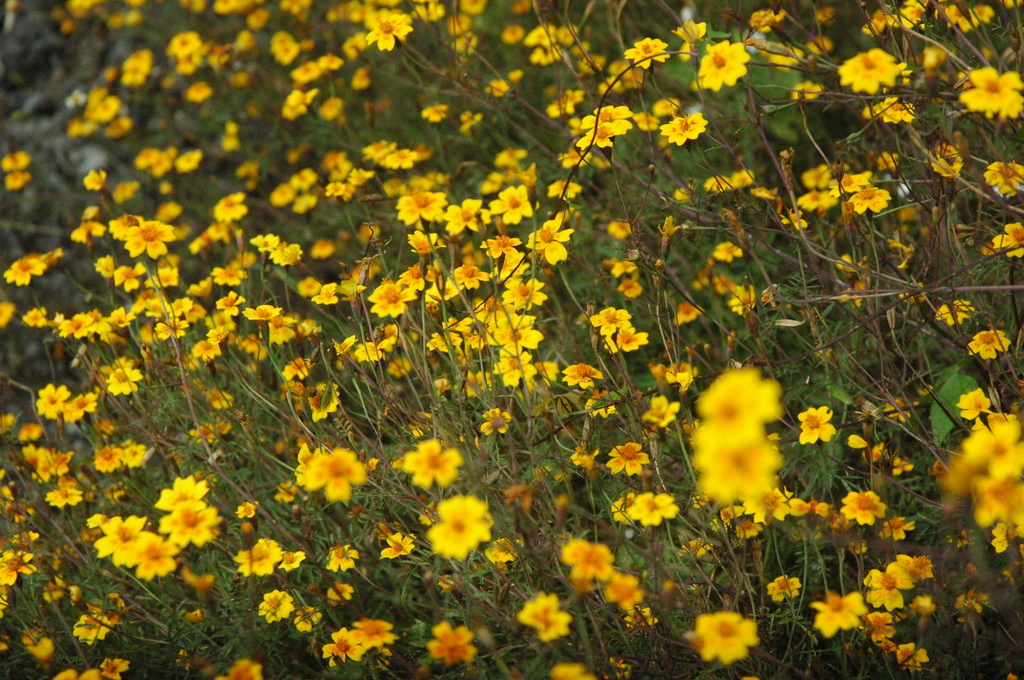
x: 837, y: 392
x: 948, y: 394
x: 774, y: 108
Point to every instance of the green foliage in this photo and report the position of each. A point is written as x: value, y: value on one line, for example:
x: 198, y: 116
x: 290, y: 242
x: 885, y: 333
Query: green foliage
x: 952, y: 384
x: 617, y: 366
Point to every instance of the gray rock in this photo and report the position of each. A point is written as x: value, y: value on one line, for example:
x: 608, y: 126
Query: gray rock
x: 88, y: 157
x: 28, y: 51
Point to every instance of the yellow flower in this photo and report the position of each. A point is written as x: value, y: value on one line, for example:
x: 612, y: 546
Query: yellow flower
x: 17, y: 180
x: 435, y: 113
x: 42, y: 648
x: 468, y: 215
x: 868, y: 71
x: 243, y: 669
x: 543, y: 613
x: 891, y: 110
x: 973, y: 404
x: 424, y: 244
x: 923, y: 605
x: 910, y: 658
x: 231, y: 208
x: 807, y: 90
x: 734, y: 463
x: 838, y: 612
x: 959, y: 312
x: 684, y: 128
x: 603, y: 134
x: 119, y: 538
x: 502, y: 245
x: 582, y: 375
x: 468, y: 121
x: 651, y: 509
x: 398, y: 545
x: 662, y: 412
x: 342, y: 557
x: 884, y: 586
x: 691, y: 32
x: 814, y: 425
x: 610, y: 320
x: 495, y: 420
x: 523, y: 294
x: 464, y: 523
x: 112, y: 668
x: 432, y: 464
x: 198, y: 92
x: 994, y: 94
x: 1007, y: 178
x: 277, y: 605
x: 154, y: 556
x: 96, y: 180
x: 188, y: 162
x: 783, y: 587
x: 547, y: 241
x: 573, y: 671
x: 1011, y: 240
x: 896, y: 528
x: 987, y: 344
x: 391, y: 299
x: 338, y: 592
x: 724, y: 636
x: 512, y: 204
x: 51, y: 400
x: 64, y: 496
x: 727, y: 251
x: 259, y: 560
x: 345, y: 645
x: 262, y: 313
x: 22, y: 270
x: 292, y: 560
x: 469, y: 276
x: 297, y: 103
x: 183, y: 490
x: 765, y: 20
x: 997, y: 448
x: 500, y: 552
x: 879, y: 626
x: 421, y: 205
x: 284, y: 48
x: 628, y: 458
x: 373, y: 633
x: 740, y: 399
x: 770, y: 504
x: 870, y: 198
x: 624, y: 590
x: 451, y: 645
x: 335, y: 473
x: 150, y: 237
x: 191, y: 521
x: 94, y: 625
x: 306, y: 618
x: 388, y: 26
x: 17, y: 160
x: 972, y: 600
x: 863, y: 507
x: 588, y: 560
x: 948, y: 161
x: 723, y: 64
x: 12, y: 563
x: 647, y: 51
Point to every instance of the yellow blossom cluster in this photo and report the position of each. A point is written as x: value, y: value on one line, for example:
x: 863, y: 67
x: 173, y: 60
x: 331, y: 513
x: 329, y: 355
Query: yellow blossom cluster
x: 405, y: 336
